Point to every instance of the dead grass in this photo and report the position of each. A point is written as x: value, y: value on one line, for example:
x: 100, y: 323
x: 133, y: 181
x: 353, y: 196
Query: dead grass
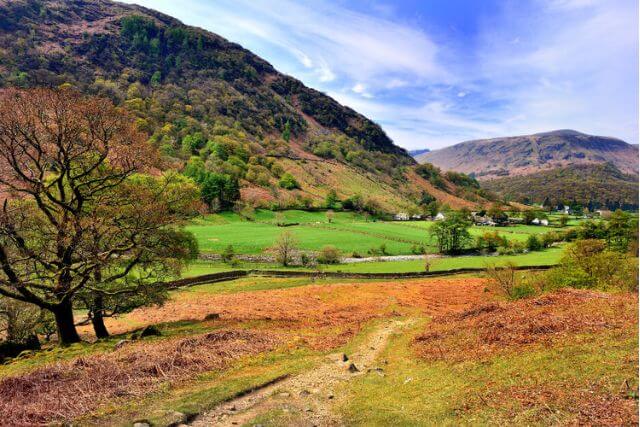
x: 589, y: 405
x: 61, y: 392
x: 487, y: 329
x: 320, y: 316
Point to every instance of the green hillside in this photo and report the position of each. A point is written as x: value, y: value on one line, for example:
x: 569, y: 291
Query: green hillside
x: 594, y: 186
x: 215, y: 110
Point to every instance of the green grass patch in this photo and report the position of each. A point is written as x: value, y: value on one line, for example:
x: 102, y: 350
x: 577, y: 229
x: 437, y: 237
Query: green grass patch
x: 415, y: 392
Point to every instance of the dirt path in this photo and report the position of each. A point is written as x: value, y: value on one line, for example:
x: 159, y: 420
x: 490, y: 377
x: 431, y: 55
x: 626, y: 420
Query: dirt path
x: 309, y: 394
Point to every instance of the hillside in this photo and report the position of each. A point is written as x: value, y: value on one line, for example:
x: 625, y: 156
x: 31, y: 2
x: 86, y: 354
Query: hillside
x: 415, y: 153
x: 589, y: 185
x: 521, y: 155
x: 215, y: 110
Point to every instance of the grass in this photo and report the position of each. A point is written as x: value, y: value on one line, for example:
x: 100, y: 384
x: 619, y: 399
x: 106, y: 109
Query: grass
x: 546, y: 257
x: 412, y: 391
x: 348, y: 231
x: 477, y: 392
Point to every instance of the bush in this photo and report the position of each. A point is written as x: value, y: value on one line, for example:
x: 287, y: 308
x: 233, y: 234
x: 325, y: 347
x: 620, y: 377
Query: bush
x: 491, y: 241
x: 288, y: 182
x: 228, y: 254
x: 329, y: 255
x: 418, y: 249
x: 504, y: 279
x: 305, y: 260
x: 533, y: 243
x: 590, y: 264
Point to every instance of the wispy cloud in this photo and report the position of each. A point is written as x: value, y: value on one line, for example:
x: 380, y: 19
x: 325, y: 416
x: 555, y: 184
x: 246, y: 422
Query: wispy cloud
x: 533, y: 65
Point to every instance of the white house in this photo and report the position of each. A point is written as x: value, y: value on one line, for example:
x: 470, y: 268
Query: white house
x: 535, y: 221
x: 402, y: 216
x: 544, y: 222
x: 439, y: 217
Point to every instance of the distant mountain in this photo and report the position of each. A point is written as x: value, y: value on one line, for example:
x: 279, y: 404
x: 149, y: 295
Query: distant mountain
x: 593, y: 185
x: 211, y: 106
x: 414, y: 153
x: 522, y: 155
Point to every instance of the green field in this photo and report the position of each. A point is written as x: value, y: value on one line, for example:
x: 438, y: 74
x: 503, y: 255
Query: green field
x: 546, y: 257
x: 350, y: 232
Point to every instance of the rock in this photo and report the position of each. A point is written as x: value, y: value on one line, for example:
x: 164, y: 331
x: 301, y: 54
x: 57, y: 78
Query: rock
x: 284, y: 394
x: 330, y: 396
x: 232, y: 408
x: 150, y: 331
x: 176, y: 418
x: 121, y: 343
x: 212, y: 316
x: 353, y: 368
x: 305, y: 393
x: 308, y: 409
x: 141, y: 424
x: 345, y: 358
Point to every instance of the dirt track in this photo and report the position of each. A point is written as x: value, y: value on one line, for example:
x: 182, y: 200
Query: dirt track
x: 309, y: 394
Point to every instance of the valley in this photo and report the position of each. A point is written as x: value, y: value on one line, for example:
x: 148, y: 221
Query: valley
x: 192, y: 234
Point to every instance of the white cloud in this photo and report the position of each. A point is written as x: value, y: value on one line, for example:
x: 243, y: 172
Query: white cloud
x: 533, y: 66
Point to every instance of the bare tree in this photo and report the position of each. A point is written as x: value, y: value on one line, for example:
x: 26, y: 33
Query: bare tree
x: 77, y: 215
x: 286, y: 247
x: 504, y: 278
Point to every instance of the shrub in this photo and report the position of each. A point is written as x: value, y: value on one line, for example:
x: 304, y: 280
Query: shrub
x: 228, y: 254
x: 524, y: 290
x: 590, y: 264
x: 288, y: 182
x: 305, y: 260
x: 418, y: 249
x: 491, y: 241
x: 329, y: 255
x: 503, y: 279
x: 533, y: 243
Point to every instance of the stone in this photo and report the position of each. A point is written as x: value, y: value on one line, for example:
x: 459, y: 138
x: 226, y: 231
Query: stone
x: 353, y: 368
x: 150, y: 331
x: 345, y: 358
x: 141, y: 424
x: 212, y: 316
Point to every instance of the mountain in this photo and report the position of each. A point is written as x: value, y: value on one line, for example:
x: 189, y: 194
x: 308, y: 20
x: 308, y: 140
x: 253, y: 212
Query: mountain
x: 521, y: 155
x: 215, y: 110
x: 592, y: 185
x: 414, y: 153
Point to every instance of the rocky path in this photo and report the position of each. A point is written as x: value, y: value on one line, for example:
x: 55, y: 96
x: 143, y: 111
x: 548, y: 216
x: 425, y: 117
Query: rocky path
x: 310, y: 393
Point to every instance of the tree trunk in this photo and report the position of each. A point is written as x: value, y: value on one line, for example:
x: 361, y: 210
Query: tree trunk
x: 67, y: 333
x: 97, y: 318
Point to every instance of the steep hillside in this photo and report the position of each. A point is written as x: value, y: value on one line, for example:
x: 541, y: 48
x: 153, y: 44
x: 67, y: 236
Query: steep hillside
x: 594, y: 186
x: 521, y: 155
x: 218, y: 112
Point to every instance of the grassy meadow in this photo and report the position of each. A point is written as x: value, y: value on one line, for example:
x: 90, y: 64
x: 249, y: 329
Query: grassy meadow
x: 348, y: 231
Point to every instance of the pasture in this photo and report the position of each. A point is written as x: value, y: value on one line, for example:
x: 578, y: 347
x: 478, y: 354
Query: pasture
x: 348, y: 231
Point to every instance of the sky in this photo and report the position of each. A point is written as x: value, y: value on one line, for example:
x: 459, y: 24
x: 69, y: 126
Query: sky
x: 434, y: 73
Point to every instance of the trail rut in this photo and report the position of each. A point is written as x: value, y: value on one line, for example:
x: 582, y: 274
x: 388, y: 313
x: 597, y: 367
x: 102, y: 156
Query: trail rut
x: 309, y: 394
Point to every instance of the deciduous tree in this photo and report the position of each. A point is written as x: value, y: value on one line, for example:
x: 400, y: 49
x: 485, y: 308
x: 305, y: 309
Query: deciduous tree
x: 77, y: 215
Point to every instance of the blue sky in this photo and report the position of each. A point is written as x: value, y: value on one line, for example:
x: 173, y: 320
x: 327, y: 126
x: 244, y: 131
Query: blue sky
x: 437, y: 72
